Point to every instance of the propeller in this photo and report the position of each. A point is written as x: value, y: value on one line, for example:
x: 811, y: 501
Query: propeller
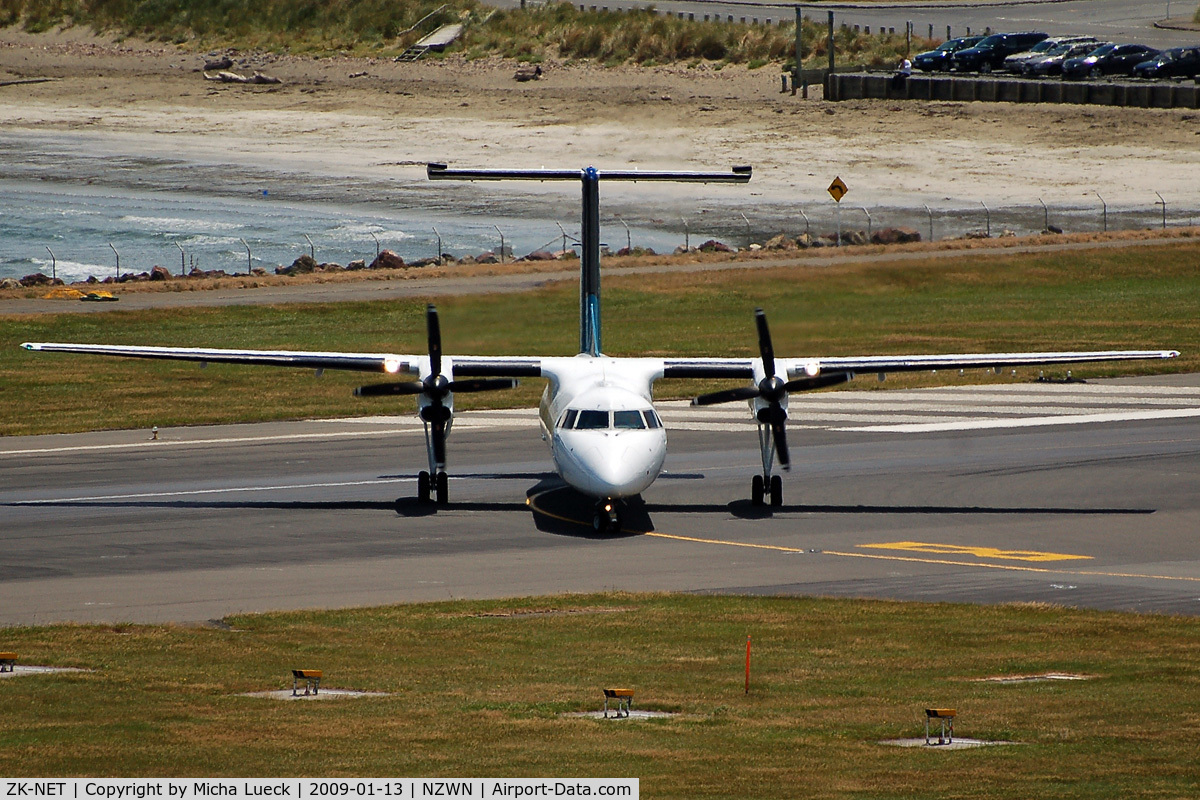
x: 772, y: 389
x: 435, y: 387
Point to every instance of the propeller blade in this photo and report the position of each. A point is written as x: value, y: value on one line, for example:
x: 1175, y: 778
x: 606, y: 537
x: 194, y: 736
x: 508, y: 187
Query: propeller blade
x: 818, y: 382
x: 779, y: 434
x: 382, y: 389
x: 434, y: 330
x: 726, y: 396
x: 764, y: 343
x: 482, y: 384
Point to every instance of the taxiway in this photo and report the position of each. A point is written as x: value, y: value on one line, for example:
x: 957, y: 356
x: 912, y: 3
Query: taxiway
x: 1078, y: 494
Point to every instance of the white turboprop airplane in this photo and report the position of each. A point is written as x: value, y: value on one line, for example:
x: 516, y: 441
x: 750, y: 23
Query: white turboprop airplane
x: 597, y: 411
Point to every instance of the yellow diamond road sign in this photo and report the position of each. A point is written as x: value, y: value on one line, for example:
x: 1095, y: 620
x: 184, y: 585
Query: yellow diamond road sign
x: 837, y: 189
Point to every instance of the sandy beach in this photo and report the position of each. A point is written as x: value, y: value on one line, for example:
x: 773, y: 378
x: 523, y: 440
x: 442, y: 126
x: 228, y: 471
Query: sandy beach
x: 378, y: 120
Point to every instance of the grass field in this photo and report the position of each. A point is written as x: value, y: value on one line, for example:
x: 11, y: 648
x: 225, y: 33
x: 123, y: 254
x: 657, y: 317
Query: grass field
x: 383, y: 29
x: 1145, y: 297
x: 480, y: 688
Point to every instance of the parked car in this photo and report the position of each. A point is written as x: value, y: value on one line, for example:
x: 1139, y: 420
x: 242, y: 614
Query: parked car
x: 1178, y: 62
x: 1051, y: 63
x: 938, y: 59
x: 990, y: 53
x: 1110, y: 59
x: 1013, y: 63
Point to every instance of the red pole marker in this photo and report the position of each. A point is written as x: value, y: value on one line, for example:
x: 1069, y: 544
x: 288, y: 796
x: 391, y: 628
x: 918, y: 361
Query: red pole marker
x: 747, y: 665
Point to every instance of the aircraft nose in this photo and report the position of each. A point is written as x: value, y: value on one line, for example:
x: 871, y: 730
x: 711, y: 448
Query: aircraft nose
x: 621, y: 465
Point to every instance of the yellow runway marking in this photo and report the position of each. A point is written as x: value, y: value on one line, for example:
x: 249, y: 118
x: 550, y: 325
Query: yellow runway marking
x: 775, y: 547
x: 879, y: 557
x: 978, y: 552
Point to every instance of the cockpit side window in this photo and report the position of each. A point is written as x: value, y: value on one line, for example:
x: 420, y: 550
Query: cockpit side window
x: 568, y: 419
x: 592, y: 420
x: 652, y: 420
x: 628, y: 420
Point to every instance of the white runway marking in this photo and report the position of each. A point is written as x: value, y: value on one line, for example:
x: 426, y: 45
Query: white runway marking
x: 218, y: 490
x: 883, y: 411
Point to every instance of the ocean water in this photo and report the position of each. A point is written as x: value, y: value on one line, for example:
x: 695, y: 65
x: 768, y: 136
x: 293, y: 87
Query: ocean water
x: 76, y: 230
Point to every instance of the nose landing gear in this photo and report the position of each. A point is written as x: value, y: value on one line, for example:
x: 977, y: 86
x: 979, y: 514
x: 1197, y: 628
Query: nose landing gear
x: 607, y: 517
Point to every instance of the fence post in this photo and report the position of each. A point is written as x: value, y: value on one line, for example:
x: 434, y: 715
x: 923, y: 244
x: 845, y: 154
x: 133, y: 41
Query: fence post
x: 799, y: 53
x: 248, y: 255
x: 1162, y: 202
x: 930, y: 215
x: 53, y: 264
x: 1045, y: 215
x: 988, y: 212
x: 831, y: 64
x: 1105, y: 212
x: 182, y: 267
x: 118, y: 255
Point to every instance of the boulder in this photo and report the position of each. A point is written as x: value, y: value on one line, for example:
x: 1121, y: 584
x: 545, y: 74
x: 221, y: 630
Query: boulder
x: 160, y: 274
x: 540, y: 255
x: 855, y: 237
x: 387, y: 260
x: 38, y: 279
x: 9, y: 283
x: 301, y: 266
x: 624, y: 251
x: 713, y: 246
x: 895, y: 236
x: 486, y: 258
x: 357, y: 264
x: 1052, y: 229
x: 781, y: 242
x: 330, y: 266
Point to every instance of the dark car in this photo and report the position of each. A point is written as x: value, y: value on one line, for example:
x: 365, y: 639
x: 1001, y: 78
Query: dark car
x: 1013, y: 63
x: 991, y: 52
x: 1178, y: 62
x: 938, y: 59
x: 1051, y: 63
x: 1111, y: 59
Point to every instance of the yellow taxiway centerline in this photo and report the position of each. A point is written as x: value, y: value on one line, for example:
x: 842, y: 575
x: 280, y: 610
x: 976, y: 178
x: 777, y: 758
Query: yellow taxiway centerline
x: 530, y: 501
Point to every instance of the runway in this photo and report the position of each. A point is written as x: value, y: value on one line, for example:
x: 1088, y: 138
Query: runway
x: 1077, y: 494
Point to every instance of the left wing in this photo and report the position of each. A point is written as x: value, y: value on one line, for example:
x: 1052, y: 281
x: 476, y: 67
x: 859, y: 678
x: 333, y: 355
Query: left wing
x: 849, y: 365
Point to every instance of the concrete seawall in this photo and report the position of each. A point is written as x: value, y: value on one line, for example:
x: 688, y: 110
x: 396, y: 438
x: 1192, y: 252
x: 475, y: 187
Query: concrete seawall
x: 1141, y: 94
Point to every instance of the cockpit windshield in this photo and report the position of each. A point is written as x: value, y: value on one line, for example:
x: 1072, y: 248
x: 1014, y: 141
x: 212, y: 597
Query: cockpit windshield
x: 625, y: 419
x: 628, y: 419
x: 591, y: 420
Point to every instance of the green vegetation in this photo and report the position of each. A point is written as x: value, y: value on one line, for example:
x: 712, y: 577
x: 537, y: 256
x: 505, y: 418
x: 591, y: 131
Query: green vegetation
x: 379, y: 28
x: 480, y: 689
x: 1098, y: 299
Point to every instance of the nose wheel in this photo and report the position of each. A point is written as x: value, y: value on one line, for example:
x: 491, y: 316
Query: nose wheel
x: 763, y: 490
x: 606, y: 519
x: 435, y: 485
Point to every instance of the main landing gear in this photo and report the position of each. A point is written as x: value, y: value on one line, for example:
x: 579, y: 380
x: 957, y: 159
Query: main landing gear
x: 607, y: 518
x: 438, y: 486
x: 764, y: 488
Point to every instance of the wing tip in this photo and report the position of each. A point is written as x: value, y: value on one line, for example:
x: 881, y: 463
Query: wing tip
x: 31, y: 345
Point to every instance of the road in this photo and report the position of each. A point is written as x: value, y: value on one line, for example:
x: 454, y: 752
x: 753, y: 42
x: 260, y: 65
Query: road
x: 1061, y: 493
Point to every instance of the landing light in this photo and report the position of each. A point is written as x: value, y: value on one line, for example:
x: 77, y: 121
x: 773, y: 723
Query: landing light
x: 391, y: 365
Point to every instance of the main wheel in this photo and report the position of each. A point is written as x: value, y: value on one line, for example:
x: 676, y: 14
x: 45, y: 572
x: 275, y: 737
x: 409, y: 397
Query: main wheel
x: 1096, y: 72
x: 423, y: 486
x: 776, y: 491
x: 443, y: 491
x: 600, y: 520
x: 985, y: 67
x: 756, y: 490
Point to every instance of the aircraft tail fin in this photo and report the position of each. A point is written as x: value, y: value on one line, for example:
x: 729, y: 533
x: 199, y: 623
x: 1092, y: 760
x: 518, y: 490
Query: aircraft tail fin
x: 589, y: 257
